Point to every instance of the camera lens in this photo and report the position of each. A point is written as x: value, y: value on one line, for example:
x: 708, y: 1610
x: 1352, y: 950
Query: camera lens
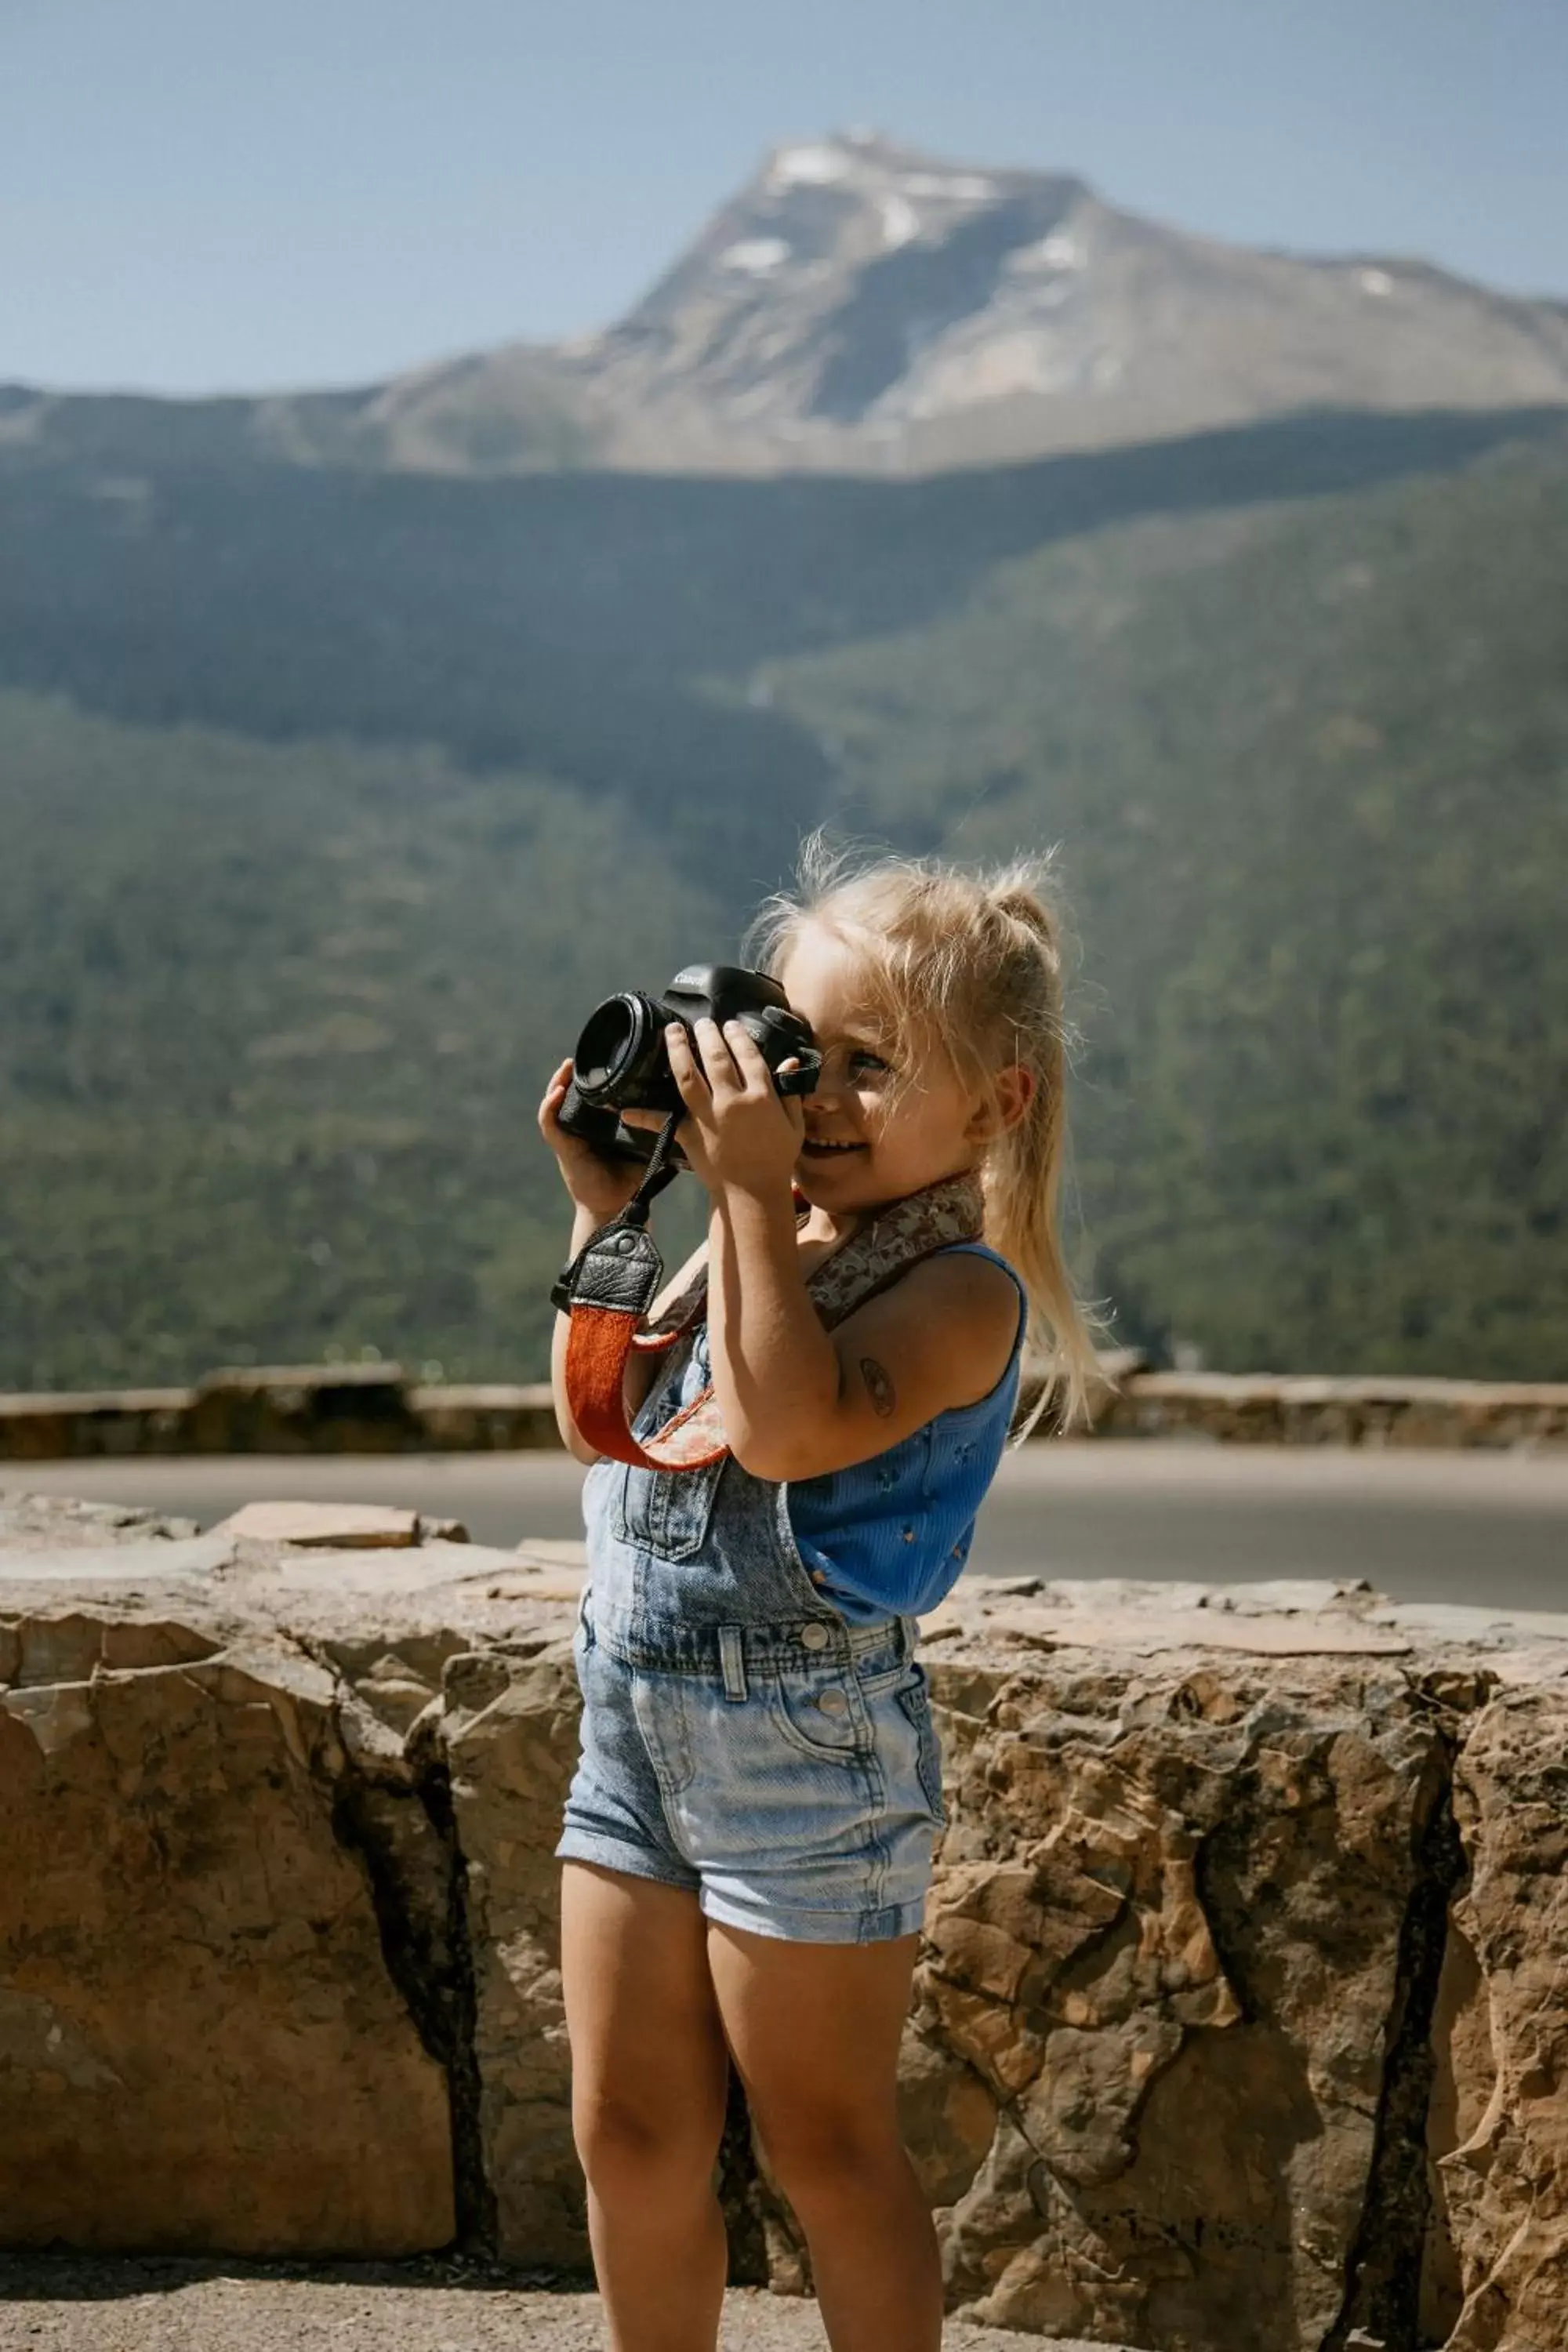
x: 618, y: 1038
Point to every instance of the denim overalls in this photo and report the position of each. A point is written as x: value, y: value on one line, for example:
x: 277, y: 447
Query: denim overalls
x: 740, y: 1738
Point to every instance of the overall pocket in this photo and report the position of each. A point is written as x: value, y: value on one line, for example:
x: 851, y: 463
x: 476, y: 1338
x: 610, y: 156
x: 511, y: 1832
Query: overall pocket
x: 914, y: 1699
x: 667, y: 1512
x: 821, y: 1711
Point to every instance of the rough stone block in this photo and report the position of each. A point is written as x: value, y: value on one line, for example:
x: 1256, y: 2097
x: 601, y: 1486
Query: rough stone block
x: 1238, y: 2023
x: 325, y: 1527
x: 302, y: 1409
x: 509, y: 1729
x: 1497, y: 2268
x: 200, y: 2041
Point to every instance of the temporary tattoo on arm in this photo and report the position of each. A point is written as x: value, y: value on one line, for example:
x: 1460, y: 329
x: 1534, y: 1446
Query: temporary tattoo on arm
x: 879, y: 1386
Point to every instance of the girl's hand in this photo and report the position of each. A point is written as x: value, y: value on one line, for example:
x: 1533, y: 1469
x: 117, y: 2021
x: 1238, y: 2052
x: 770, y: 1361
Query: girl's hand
x: 740, y: 1133
x: 596, y: 1185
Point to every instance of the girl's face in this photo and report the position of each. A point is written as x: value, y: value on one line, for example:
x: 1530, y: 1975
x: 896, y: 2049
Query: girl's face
x: 862, y: 1147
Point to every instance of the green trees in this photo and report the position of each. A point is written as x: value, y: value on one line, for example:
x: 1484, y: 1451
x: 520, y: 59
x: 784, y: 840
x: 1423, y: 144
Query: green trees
x: 329, y: 805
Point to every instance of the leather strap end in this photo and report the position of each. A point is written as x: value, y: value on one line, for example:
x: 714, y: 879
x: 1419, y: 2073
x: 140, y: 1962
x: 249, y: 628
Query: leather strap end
x: 619, y: 1270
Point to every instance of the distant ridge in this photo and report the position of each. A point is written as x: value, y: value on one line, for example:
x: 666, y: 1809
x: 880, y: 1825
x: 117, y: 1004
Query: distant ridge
x: 862, y: 306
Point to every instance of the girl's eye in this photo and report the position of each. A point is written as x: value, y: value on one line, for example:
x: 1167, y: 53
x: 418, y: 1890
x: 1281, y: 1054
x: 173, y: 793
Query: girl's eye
x: 867, y: 1061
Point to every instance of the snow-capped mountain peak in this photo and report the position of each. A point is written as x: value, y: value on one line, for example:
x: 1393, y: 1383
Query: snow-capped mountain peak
x: 861, y: 305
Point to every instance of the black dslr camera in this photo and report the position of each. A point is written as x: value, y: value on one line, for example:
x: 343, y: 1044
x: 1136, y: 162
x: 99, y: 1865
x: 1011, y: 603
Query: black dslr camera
x: 621, y: 1062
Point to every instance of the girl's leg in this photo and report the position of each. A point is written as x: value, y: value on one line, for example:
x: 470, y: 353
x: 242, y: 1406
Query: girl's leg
x: 649, y: 2075
x: 816, y: 2031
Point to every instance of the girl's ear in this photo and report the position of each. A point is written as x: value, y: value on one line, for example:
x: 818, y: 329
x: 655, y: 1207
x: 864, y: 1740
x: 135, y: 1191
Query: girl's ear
x: 1014, y: 1092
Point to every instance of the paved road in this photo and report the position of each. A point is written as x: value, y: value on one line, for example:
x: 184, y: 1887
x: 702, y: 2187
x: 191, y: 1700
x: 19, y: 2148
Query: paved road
x: 1466, y: 1526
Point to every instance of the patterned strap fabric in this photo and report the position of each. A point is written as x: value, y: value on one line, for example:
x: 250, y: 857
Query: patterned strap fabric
x: 613, y: 1293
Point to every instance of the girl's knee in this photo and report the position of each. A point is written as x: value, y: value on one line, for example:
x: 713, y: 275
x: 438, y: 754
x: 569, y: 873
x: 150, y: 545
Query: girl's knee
x: 823, y: 2157
x: 628, y: 2146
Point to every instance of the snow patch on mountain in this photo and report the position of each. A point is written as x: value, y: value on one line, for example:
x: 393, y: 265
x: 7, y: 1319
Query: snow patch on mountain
x: 756, y: 256
x: 900, y: 222
x: 1058, y: 251
x: 809, y: 167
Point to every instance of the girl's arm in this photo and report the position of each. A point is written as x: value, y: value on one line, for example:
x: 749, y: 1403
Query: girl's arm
x: 799, y: 1402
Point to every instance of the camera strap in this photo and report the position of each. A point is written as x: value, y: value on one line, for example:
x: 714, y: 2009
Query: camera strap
x: 606, y: 1290
x: 610, y: 1286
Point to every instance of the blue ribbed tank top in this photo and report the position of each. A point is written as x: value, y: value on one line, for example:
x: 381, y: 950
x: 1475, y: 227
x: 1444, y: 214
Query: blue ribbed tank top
x: 891, y: 1535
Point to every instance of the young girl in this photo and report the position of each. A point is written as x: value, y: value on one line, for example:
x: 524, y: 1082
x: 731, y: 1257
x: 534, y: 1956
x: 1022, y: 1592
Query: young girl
x: 748, y: 1837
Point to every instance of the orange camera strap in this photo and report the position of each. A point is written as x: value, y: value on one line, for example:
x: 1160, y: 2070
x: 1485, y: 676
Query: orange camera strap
x: 610, y: 1287
x: 606, y: 1290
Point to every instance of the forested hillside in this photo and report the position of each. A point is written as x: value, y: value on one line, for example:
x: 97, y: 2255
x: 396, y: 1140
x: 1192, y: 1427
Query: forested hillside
x: 275, y: 1024
x: 330, y: 803
x: 1309, y: 771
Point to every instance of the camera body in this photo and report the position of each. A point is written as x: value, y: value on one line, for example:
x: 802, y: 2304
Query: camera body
x: 621, y: 1062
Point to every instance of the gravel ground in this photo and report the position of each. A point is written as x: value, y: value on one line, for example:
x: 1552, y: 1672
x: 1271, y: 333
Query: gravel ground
x: 62, y: 2302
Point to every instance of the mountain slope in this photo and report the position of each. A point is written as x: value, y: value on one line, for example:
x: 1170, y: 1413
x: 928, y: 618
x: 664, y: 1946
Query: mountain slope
x: 273, y: 1016
x: 561, y: 624
x: 860, y: 307
x: 1309, y: 770
x: 274, y: 1023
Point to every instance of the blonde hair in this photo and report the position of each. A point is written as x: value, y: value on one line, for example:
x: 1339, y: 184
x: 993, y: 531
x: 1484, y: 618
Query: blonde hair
x: 968, y: 964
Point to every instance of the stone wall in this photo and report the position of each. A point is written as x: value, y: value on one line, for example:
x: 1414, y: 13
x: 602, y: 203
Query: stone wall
x: 1268, y: 1409
x: 1238, y: 2024
x: 376, y: 1408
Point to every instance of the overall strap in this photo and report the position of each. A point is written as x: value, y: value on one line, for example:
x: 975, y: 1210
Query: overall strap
x: 609, y: 1286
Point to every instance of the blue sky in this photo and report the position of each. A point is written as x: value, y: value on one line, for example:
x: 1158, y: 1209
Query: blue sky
x: 200, y: 195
